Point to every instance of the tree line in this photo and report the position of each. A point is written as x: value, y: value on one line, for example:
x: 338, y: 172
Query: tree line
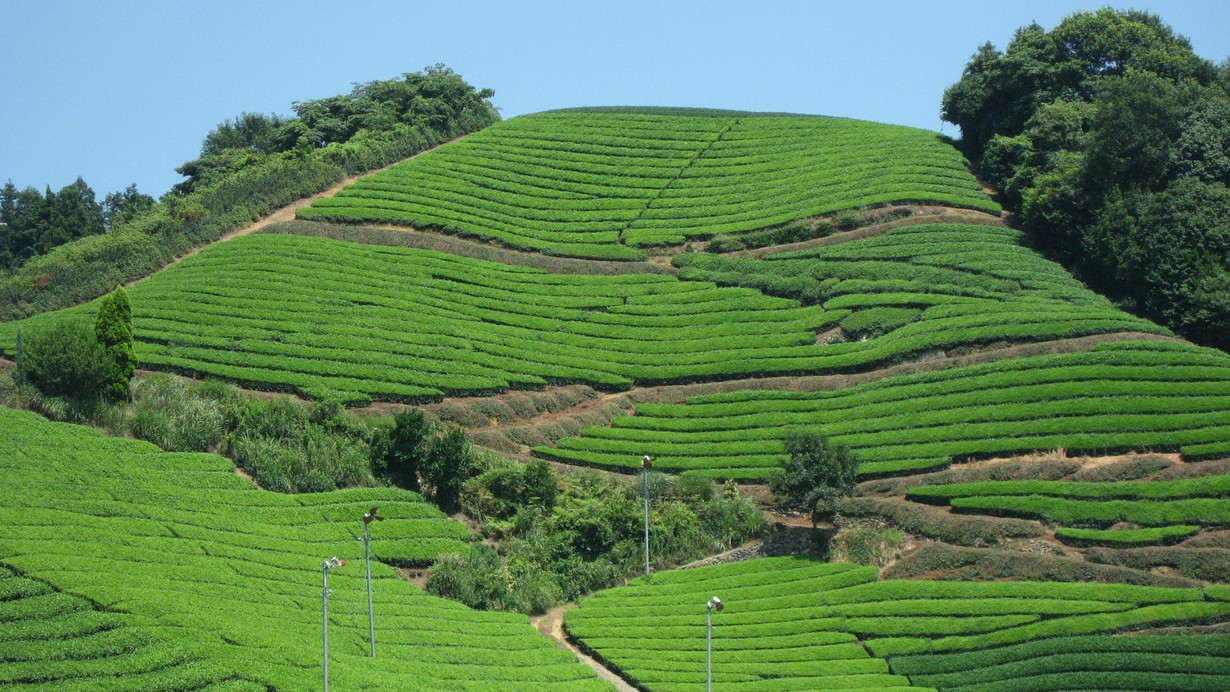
x: 33, y: 223
x: 1109, y: 138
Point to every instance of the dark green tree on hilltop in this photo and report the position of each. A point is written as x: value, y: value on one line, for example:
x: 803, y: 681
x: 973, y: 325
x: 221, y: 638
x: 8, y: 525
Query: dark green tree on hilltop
x: 1110, y: 138
x: 113, y: 328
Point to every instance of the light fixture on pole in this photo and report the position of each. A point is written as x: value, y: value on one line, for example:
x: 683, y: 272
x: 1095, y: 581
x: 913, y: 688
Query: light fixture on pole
x: 368, y: 518
x: 646, y: 464
x: 714, y: 603
x: 324, y: 577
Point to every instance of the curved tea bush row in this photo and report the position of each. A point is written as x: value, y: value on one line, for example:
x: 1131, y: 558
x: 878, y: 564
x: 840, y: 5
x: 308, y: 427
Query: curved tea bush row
x: 329, y: 318
x: 790, y: 623
x: 1125, y: 537
x: 1142, y: 662
x: 1124, y: 395
x: 169, y: 571
x: 596, y: 183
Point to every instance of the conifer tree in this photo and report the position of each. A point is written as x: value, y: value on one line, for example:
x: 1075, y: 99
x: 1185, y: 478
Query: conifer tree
x: 114, y: 331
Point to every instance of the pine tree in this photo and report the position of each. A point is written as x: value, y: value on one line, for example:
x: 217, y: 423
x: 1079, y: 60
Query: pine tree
x: 114, y: 331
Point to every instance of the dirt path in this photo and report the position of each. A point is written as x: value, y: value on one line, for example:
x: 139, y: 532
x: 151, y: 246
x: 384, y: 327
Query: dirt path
x: 286, y: 213
x: 551, y: 624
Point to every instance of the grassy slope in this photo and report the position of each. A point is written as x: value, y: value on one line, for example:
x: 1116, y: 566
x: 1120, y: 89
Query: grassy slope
x: 176, y: 573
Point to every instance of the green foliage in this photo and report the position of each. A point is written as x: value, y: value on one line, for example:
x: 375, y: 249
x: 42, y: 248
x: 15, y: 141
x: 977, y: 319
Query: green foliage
x: 401, y: 453
x: 32, y: 223
x: 65, y: 359
x: 816, y: 475
x: 113, y: 328
x: 1107, y: 135
x: 449, y: 462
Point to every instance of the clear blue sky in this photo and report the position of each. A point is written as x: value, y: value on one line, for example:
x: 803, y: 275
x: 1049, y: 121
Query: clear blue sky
x: 122, y: 92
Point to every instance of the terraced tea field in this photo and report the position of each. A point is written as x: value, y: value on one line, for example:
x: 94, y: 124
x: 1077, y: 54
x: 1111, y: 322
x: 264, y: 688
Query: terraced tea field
x: 1119, y: 396
x: 598, y: 183
x: 792, y: 624
x: 324, y: 317
x: 125, y: 567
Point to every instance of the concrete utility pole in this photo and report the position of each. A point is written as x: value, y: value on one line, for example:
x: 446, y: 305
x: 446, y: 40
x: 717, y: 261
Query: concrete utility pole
x: 714, y: 603
x: 367, y: 552
x: 646, y: 464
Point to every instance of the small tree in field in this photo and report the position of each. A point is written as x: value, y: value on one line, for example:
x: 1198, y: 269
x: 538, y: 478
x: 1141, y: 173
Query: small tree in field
x: 113, y: 328
x: 817, y: 475
x: 449, y: 463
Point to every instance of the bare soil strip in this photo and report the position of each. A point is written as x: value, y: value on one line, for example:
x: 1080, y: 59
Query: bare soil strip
x: 551, y: 624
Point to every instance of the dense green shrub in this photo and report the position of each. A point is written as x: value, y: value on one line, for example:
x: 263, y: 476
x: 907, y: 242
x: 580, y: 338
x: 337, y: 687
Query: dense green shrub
x: 449, y: 462
x: 816, y: 475
x: 1209, y: 564
x: 65, y: 359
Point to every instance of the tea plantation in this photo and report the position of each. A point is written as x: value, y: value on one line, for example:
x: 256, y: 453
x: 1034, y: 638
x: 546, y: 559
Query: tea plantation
x: 932, y: 343
x: 791, y: 624
x: 598, y: 183
x: 125, y: 567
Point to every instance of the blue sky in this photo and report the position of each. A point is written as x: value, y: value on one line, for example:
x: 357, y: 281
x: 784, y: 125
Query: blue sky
x: 123, y: 92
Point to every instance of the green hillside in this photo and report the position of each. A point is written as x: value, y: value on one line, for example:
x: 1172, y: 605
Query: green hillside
x: 599, y: 183
x: 791, y: 624
x: 929, y: 338
x: 406, y: 324
x: 125, y: 567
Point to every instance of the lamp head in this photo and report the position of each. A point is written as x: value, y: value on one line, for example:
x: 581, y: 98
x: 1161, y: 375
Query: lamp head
x: 646, y: 462
x: 715, y: 603
x: 334, y: 562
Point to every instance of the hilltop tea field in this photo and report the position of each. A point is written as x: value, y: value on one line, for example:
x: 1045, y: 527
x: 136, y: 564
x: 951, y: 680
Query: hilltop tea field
x: 588, y: 286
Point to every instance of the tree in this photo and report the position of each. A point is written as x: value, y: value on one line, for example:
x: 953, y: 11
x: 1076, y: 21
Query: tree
x: 113, y: 329
x: 450, y: 462
x: 121, y: 207
x: 404, y: 451
x: 816, y: 475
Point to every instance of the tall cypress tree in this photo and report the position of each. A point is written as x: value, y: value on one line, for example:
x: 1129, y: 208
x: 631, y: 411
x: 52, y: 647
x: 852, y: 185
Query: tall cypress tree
x: 114, y: 331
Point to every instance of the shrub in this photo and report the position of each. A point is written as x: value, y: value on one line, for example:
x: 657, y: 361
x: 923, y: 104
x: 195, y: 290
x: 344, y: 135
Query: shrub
x: 450, y: 461
x: 65, y: 359
x: 816, y: 475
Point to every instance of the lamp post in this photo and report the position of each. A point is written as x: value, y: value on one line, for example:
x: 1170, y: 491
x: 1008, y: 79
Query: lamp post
x: 646, y: 464
x: 714, y: 603
x: 324, y: 575
x: 368, y: 518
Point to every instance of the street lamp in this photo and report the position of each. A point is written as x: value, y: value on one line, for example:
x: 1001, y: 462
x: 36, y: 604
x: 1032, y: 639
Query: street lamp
x: 324, y: 574
x: 368, y: 518
x: 714, y: 603
x: 646, y: 464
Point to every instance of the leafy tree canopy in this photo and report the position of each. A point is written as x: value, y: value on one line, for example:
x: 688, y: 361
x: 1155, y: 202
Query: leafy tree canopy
x: 1102, y: 134
x: 816, y: 476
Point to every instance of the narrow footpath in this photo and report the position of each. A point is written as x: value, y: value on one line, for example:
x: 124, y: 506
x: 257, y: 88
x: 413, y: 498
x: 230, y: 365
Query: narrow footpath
x: 551, y: 624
